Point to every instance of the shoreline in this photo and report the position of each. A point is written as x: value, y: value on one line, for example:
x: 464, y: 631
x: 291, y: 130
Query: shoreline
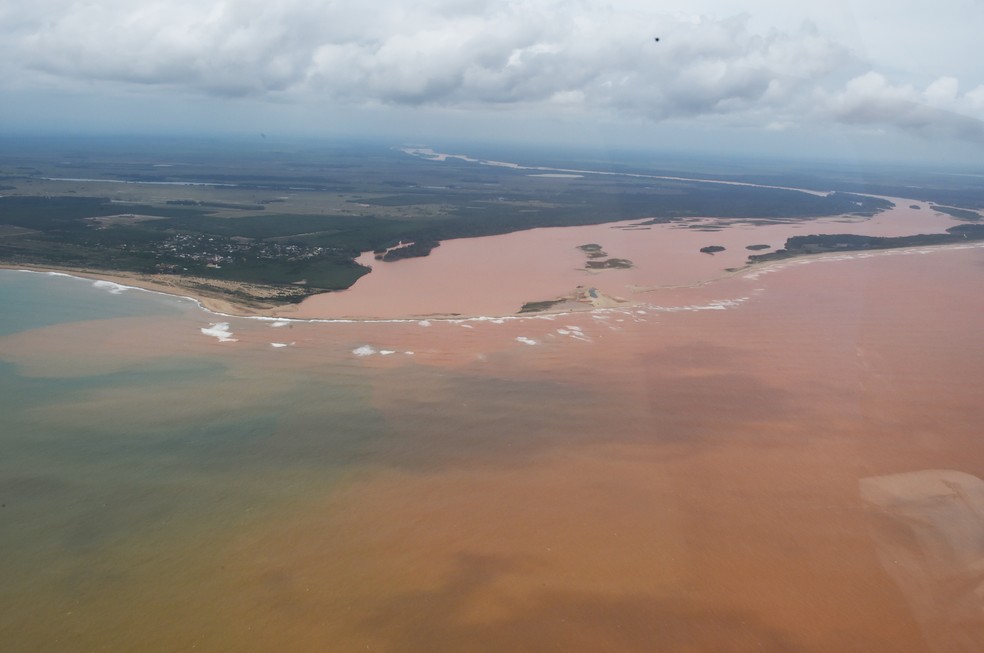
x: 224, y: 307
x: 579, y: 300
x: 212, y: 302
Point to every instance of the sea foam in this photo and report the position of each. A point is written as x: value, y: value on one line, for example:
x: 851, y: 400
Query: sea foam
x: 219, y: 330
x: 110, y: 286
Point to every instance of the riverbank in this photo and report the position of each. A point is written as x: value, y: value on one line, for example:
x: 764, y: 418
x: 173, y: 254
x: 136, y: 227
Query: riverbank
x: 219, y: 296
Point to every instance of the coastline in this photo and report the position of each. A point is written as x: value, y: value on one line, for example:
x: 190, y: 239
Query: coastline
x: 578, y: 300
x: 582, y: 435
x: 184, y: 287
x: 224, y: 306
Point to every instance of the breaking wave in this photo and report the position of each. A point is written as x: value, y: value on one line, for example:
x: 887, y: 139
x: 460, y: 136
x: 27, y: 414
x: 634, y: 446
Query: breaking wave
x: 219, y: 330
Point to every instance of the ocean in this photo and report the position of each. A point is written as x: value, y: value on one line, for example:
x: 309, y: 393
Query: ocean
x: 729, y: 467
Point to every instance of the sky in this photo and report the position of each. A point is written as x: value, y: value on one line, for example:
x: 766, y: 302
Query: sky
x: 900, y: 78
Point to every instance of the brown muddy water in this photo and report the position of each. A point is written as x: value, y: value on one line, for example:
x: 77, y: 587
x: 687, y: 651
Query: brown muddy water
x: 496, y: 275
x: 785, y: 460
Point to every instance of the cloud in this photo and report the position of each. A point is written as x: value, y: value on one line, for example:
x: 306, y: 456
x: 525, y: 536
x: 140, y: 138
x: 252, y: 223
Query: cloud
x: 586, y: 56
x: 938, y: 111
x: 224, y: 48
x: 443, y: 52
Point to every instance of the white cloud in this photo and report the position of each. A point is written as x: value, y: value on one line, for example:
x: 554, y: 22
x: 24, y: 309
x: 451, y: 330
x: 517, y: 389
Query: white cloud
x: 445, y: 52
x: 592, y: 57
x: 976, y: 99
x: 939, y: 110
x: 942, y: 92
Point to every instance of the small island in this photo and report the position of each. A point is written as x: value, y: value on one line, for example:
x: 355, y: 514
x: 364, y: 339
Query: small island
x: 580, y: 299
x: 712, y: 249
x: 539, y: 307
x: 592, y: 250
x: 608, y: 264
x: 595, y: 252
x: 756, y: 248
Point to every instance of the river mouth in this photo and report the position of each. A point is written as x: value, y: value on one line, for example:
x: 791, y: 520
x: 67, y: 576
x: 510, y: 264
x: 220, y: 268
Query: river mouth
x: 498, y: 275
x: 695, y: 470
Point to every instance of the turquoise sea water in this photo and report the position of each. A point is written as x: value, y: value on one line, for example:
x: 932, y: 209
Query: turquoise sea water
x: 676, y: 480
x: 119, y: 469
x: 137, y: 455
x: 34, y: 300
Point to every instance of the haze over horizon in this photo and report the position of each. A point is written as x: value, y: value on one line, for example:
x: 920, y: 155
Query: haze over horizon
x: 853, y: 80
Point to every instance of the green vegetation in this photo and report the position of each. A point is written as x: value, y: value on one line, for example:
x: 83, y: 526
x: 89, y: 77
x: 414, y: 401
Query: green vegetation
x: 296, y: 217
x: 76, y: 232
x: 819, y: 244
x: 963, y: 214
x: 222, y: 205
x: 419, y: 248
x: 593, y: 250
x: 538, y: 307
x: 612, y: 263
